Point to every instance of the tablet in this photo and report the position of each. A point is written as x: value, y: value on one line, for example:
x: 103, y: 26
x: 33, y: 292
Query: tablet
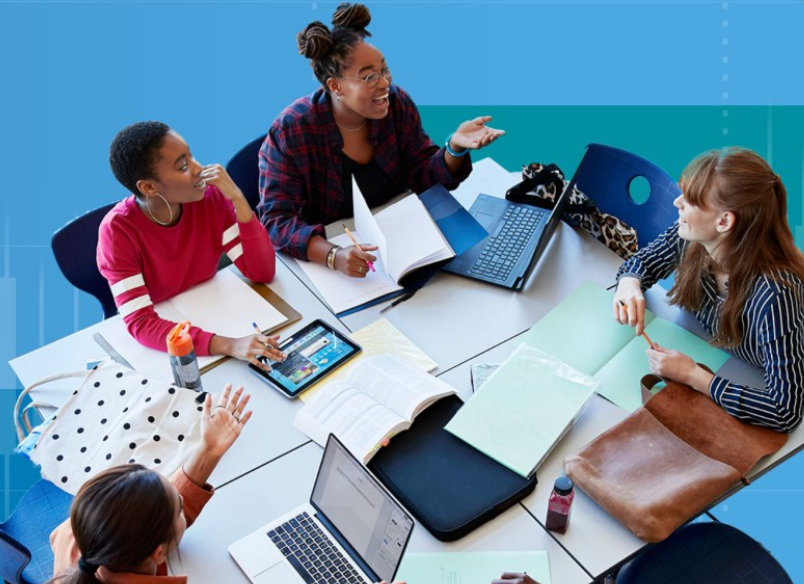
x: 313, y: 353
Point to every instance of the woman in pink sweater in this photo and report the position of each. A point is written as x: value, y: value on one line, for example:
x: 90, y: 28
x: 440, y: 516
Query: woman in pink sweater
x: 170, y: 234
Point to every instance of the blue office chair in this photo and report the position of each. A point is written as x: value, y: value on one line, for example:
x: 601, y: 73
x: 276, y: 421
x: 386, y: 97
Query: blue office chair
x: 25, y: 554
x: 606, y: 175
x: 245, y: 171
x: 75, y: 247
x: 714, y: 553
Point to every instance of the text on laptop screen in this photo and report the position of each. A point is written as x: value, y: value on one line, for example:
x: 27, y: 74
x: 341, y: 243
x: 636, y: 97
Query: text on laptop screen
x: 370, y: 520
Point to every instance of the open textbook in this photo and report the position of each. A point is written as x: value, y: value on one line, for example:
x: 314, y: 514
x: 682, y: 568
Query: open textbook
x: 412, y: 233
x: 582, y: 332
x: 380, y: 398
x: 225, y: 305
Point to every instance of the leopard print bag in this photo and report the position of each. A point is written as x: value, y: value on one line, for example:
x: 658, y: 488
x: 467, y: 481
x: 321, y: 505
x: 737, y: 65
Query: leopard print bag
x: 541, y: 185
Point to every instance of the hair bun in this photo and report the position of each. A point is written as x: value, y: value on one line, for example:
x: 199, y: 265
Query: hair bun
x: 355, y: 16
x: 314, y: 41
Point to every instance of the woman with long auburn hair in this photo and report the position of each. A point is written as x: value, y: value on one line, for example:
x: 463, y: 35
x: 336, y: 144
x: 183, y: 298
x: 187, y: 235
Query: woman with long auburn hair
x: 739, y: 271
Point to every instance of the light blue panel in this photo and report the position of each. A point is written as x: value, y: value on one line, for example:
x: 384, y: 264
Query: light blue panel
x: 8, y: 331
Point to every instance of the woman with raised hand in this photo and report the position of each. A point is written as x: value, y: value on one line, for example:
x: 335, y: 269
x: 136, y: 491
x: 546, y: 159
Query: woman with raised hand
x: 126, y: 520
x: 357, y: 124
x: 169, y: 235
x: 739, y: 271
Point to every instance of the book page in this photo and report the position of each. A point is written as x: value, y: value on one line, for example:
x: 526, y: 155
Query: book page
x: 398, y: 385
x: 226, y: 305
x: 581, y: 331
x: 341, y: 292
x: 620, y: 377
x: 367, y: 225
x: 412, y: 237
x: 357, y: 419
x: 471, y: 567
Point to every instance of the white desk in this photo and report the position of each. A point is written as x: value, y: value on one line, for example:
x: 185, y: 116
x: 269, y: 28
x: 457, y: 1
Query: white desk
x: 270, y: 432
x: 454, y: 320
x: 255, y: 499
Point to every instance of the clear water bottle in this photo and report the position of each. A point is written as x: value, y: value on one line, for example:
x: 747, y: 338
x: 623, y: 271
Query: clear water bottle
x: 183, y: 361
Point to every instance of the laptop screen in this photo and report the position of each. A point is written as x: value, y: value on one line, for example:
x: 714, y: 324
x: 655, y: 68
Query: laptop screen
x: 375, y: 525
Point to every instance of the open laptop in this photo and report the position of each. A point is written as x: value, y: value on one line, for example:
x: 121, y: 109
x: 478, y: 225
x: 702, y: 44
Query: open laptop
x: 351, y: 532
x: 518, y: 235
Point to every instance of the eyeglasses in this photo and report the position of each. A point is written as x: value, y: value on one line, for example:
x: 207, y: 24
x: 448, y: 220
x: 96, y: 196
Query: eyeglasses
x: 372, y: 80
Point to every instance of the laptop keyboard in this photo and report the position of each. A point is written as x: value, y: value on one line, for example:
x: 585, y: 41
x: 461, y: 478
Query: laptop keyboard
x: 311, y: 552
x: 502, y: 251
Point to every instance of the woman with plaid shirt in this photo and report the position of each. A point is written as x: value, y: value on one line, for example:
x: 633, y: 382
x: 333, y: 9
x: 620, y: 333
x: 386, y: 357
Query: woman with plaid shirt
x: 356, y: 125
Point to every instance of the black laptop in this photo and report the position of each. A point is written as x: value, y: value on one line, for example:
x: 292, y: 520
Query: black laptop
x: 518, y: 235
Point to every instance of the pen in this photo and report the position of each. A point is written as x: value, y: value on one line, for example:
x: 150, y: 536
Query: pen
x: 399, y: 300
x: 644, y: 334
x: 357, y: 245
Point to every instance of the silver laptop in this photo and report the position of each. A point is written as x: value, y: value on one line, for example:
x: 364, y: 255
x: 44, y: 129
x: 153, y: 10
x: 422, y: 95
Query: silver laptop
x: 351, y: 532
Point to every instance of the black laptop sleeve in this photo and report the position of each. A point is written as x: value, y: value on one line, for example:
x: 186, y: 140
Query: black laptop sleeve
x: 449, y: 487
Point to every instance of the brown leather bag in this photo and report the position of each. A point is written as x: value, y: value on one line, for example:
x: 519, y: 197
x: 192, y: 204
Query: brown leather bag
x: 669, y: 460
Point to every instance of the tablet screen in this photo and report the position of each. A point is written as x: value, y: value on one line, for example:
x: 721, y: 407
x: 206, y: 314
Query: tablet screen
x: 312, y: 353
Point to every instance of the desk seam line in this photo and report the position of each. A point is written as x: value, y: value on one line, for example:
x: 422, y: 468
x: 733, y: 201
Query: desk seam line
x: 561, y: 545
x: 230, y: 481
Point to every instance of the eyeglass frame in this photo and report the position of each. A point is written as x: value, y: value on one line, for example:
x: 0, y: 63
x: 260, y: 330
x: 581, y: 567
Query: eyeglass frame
x: 387, y: 75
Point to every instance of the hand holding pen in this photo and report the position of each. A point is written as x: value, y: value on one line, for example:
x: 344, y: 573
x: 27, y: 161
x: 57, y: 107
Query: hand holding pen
x: 266, y: 347
x: 366, y: 259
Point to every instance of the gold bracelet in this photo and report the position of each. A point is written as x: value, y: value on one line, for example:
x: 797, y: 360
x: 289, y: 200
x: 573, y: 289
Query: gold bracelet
x: 331, y: 256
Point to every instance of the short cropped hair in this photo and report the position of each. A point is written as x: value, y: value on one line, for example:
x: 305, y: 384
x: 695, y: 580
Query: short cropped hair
x: 134, y: 152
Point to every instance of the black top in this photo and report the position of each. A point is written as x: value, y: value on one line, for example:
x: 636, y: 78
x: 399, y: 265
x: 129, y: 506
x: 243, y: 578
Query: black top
x: 376, y: 186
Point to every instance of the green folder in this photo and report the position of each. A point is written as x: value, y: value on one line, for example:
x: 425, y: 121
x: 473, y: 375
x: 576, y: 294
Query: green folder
x: 582, y: 332
x: 525, y: 408
x: 471, y: 567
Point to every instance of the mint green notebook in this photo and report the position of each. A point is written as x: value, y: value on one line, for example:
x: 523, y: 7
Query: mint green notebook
x: 471, y: 567
x: 582, y: 332
x: 524, y: 409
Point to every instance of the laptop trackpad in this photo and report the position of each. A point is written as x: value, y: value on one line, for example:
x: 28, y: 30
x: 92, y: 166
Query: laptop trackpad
x: 278, y: 574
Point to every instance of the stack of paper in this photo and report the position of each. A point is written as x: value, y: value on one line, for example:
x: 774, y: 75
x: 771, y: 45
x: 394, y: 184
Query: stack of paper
x: 524, y: 409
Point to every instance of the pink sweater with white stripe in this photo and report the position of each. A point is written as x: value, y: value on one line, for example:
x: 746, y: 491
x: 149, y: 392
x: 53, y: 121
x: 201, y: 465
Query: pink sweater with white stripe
x: 146, y: 263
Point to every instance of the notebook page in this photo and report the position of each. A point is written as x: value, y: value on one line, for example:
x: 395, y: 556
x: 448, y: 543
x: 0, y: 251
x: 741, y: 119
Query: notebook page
x: 366, y: 223
x: 620, y: 377
x: 341, y: 292
x: 581, y: 331
x: 471, y: 567
x: 412, y: 237
x: 226, y: 306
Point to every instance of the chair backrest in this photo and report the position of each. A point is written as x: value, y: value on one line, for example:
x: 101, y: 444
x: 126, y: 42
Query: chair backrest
x: 244, y: 169
x: 606, y: 175
x: 25, y: 554
x: 75, y: 246
x: 714, y: 553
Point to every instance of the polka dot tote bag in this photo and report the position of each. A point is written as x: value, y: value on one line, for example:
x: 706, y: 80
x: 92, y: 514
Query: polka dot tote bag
x: 116, y: 416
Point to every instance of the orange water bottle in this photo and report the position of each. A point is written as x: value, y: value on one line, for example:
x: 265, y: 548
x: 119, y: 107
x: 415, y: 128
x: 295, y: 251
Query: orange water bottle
x: 183, y: 361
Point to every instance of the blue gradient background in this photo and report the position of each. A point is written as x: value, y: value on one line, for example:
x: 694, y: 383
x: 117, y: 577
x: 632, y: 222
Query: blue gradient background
x: 73, y: 73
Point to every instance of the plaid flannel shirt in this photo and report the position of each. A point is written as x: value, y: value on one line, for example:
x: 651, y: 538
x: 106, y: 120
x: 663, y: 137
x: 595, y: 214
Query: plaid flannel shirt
x: 300, y: 165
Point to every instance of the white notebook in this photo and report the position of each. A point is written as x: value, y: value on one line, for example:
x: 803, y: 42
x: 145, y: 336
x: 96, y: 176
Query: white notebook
x: 224, y: 305
x: 408, y: 239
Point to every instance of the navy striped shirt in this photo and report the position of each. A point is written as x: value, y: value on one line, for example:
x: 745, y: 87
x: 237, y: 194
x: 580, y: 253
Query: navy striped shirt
x: 773, y: 334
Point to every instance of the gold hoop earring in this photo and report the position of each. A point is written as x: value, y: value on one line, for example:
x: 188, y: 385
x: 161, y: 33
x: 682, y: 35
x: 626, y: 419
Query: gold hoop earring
x: 151, y: 213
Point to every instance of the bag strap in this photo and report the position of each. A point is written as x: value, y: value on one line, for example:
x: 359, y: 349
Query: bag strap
x: 17, y: 425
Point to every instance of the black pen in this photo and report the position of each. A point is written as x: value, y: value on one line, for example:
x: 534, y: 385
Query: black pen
x: 398, y: 301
